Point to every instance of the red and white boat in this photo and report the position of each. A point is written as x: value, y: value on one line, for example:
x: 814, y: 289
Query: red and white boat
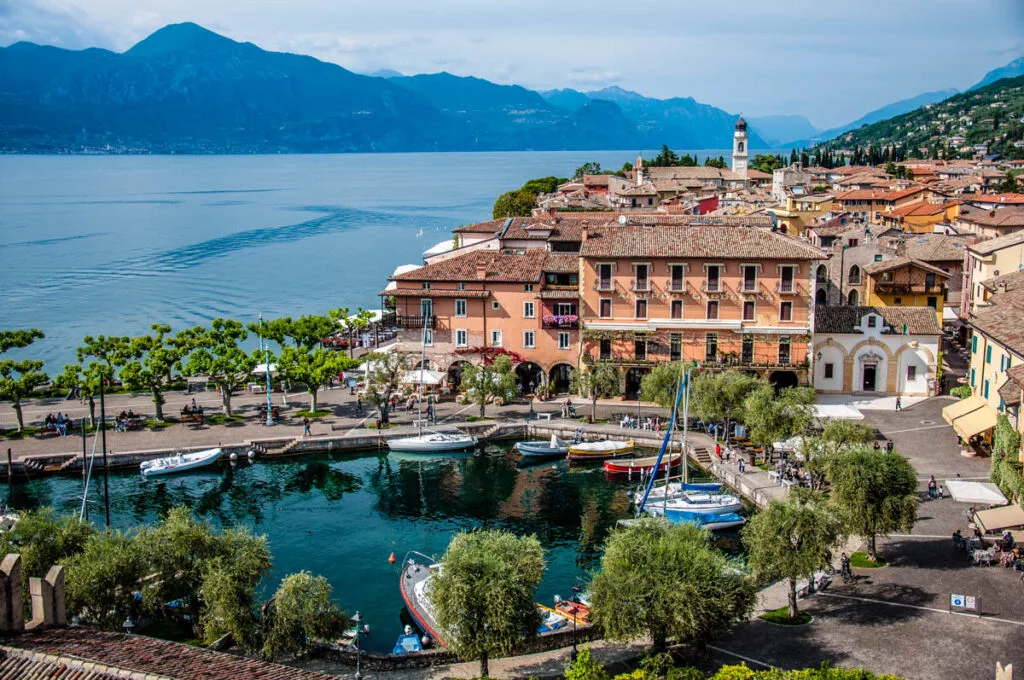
x: 630, y: 466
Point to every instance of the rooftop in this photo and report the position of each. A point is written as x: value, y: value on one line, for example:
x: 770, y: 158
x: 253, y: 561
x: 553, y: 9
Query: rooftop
x: 896, y: 263
x: 1003, y: 320
x: 1008, y: 216
x: 847, y: 319
x: 935, y: 248
x: 696, y: 241
x: 1005, y: 282
x: 996, y: 244
x: 495, y: 267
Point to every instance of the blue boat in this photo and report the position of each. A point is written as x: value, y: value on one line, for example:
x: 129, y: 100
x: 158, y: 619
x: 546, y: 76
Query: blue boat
x: 728, y: 520
x: 408, y: 642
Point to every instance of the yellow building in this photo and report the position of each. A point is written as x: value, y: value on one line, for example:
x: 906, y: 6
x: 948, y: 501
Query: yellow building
x: 797, y: 213
x: 903, y: 282
x: 985, y: 261
x: 920, y: 217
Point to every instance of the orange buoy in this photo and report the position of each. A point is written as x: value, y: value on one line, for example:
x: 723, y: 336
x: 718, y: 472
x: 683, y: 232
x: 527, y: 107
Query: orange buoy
x: 391, y: 559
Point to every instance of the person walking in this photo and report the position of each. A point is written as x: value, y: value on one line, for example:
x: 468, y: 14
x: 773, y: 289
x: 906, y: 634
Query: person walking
x: 359, y: 403
x: 305, y: 427
x: 899, y: 403
x: 932, y: 486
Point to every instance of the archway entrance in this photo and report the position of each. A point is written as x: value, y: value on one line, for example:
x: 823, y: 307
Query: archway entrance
x: 780, y: 380
x: 821, y: 297
x: 633, y: 378
x: 529, y: 376
x: 853, y: 298
x: 559, y: 378
x: 455, y: 374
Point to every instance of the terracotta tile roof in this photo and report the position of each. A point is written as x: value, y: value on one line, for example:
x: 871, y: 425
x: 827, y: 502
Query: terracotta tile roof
x: 695, y: 172
x: 1009, y: 282
x: 562, y: 263
x: 878, y: 194
x: 496, y: 267
x: 1008, y: 216
x: 701, y: 241
x: 872, y: 180
x: 757, y: 174
x: 26, y: 665
x: 1003, y: 320
x: 1009, y: 391
x: 932, y: 248
x: 917, y: 209
x: 1016, y: 375
x: 1008, y: 199
x: 488, y: 227
x: 996, y: 244
x: 896, y: 263
x: 435, y: 293
x: 856, y: 170
x: 158, y: 657
x: 595, y: 180
x: 846, y: 319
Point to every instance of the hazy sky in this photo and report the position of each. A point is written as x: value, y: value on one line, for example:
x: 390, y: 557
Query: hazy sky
x: 830, y: 60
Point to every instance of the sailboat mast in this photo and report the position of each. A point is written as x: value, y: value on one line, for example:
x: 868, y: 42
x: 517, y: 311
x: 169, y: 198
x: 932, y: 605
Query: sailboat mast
x: 423, y: 361
x: 686, y: 423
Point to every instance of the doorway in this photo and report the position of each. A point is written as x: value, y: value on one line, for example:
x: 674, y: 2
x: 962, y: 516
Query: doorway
x: 870, y: 373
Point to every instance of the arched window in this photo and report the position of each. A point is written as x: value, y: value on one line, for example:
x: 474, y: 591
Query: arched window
x: 822, y: 274
x: 854, y: 274
x: 821, y: 297
x: 853, y: 298
x: 739, y: 147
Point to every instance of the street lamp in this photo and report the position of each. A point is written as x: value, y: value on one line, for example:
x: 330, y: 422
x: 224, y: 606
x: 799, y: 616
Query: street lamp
x: 360, y: 632
x: 576, y: 590
x: 128, y: 625
x: 265, y: 349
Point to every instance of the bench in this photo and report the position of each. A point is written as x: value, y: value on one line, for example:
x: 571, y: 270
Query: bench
x: 547, y: 415
x: 197, y: 418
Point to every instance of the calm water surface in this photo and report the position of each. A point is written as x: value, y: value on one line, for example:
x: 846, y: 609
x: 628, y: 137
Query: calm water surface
x: 343, y: 515
x: 111, y: 244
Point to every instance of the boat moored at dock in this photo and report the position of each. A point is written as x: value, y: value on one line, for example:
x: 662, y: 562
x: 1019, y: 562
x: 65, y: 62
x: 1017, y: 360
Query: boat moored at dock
x: 182, y: 462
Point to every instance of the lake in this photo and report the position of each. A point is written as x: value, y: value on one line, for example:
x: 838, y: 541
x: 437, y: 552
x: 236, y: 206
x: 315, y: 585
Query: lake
x: 108, y: 245
x: 343, y: 515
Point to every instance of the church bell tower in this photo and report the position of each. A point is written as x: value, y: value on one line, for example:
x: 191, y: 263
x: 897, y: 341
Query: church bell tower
x: 739, y: 148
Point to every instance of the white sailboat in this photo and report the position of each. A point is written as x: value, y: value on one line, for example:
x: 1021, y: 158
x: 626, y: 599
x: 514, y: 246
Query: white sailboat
x: 430, y: 442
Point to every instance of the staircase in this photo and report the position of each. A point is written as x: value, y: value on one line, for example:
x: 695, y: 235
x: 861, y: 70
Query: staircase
x: 290, y: 447
x: 701, y: 455
x: 66, y: 465
x: 32, y: 466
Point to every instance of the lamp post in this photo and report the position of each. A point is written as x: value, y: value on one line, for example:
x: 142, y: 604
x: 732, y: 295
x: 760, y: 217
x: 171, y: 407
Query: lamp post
x: 360, y: 632
x: 128, y: 625
x: 265, y: 349
x: 576, y: 590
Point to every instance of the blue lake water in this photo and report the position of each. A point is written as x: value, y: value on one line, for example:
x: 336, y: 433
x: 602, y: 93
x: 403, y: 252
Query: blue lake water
x: 108, y: 245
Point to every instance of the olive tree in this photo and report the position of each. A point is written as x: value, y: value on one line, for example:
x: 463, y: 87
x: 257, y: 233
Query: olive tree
x: 600, y: 382
x: 483, y: 596
x: 300, y: 612
x: 791, y: 539
x: 489, y: 380
x: 875, y: 492
x: 772, y: 417
x: 664, y: 580
x: 102, y: 580
x: 722, y: 395
x: 384, y: 374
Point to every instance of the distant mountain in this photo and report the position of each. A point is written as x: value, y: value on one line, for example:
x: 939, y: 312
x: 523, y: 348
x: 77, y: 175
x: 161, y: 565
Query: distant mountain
x: 776, y: 130
x: 1013, y: 69
x: 567, y: 99
x: 385, y: 73
x: 990, y: 115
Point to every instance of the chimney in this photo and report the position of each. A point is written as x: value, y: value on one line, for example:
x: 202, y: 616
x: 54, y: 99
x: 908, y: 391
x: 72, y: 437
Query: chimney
x: 1002, y: 286
x: 992, y: 213
x: 481, y: 270
x: 585, y: 230
x: 553, y: 214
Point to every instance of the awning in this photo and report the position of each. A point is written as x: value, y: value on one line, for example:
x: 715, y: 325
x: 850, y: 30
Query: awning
x: 837, y: 412
x: 962, y: 408
x: 261, y: 369
x: 423, y: 376
x: 985, y: 418
x: 997, y: 519
x: 949, y: 316
x: 979, y: 493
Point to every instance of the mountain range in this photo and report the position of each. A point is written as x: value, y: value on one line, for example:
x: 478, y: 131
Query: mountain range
x: 185, y: 89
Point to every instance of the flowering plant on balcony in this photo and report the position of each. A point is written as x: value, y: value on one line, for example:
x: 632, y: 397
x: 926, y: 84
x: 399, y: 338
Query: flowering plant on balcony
x: 489, y: 354
x: 561, y: 319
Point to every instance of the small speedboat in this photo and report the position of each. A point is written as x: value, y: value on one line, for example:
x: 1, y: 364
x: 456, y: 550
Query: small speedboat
x: 182, y: 462
x: 408, y: 642
x: 434, y: 442
x: 633, y: 466
x: 555, y: 447
x: 551, y: 622
x: 572, y: 609
x: 605, y: 448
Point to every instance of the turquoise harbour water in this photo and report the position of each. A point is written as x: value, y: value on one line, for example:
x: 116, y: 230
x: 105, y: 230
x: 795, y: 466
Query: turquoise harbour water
x: 343, y: 515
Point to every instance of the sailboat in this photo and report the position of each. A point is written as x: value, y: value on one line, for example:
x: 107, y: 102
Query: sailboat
x: 430, y: 442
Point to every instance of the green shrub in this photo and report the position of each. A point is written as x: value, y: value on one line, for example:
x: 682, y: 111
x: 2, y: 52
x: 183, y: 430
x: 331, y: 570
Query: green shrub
x: 585, y: 667
x: 961, y: 392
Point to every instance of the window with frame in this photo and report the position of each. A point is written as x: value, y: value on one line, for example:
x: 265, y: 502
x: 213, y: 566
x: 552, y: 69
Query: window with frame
x: 460, y: 308
x: 714, y: 278
x: 786, y: 311
x: 528, y: 310
x: 528, y: 288
x: 854, y: 276
x: 604, y: 277
x: 677, y: 282
x: 749, y: 278
x: 748, y: 310
x: 495, y: 338
x: 640, y: 350
x: 461, y: 338
x: 985, y: 390
x: 853, y: 242
x: 641, y: 308
x: 605, y: 308
x: 974, y: 344
x: 747, y: 349
x: 428, y: 337
x: 787, y: 274
x: 785, y: 347
x: 605, y: 349
x: 911, y: 372
x: 830, y: 371
x: 426, y: 285
x: 460, y: 286
x: 872, y: 321
x: 988, y: 354
x: 495, y: 305
x: 563, y: 340
x: 711, y: 347
x: 897, y: 300
x: 642, y: 282
x: 675, y: 347
x: 528, y: 339
x: 676, y: 309
x: 712, y: 312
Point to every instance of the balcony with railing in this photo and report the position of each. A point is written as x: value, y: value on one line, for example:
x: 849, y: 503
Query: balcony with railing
x: 407, y: 321
x: 787, y: 288
x: 560, y: 321
x: 604, y: 285
x: 640, y: 285
x: 905, y: 288
x: 676, y: 286
x: 714, y: 288
x: 748, y: 287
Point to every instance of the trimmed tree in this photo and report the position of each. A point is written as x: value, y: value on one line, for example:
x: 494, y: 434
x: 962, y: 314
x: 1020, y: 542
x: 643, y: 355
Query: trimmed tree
x: 792, y: 539
x: 600, y: 382
x: 490, y: 380
x: 18, y: 379
x: 300, y: 613
x: 216, y: 354
x: 303, y: 359
x: 664, y: 580
x: 154, y: 357
x: 484, y: 595
x: 876, y: 492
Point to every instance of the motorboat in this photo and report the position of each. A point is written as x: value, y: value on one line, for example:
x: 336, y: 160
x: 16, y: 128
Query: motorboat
x: 551, y: 621
x: 434, y: 442
x: 573, y: 609
x: 639, y: 466
x: 417, y: 574
x: 181, y: 462
x: 554, y: 447
x: 408, y: 642
x: 606, y: 448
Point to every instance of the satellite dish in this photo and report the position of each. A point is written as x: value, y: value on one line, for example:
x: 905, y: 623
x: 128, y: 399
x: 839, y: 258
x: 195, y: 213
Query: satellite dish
x: 622, y: 220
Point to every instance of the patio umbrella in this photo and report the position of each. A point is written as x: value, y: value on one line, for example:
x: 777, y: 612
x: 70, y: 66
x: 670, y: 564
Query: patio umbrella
x: 976, y: 493
x: 423, y: 377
